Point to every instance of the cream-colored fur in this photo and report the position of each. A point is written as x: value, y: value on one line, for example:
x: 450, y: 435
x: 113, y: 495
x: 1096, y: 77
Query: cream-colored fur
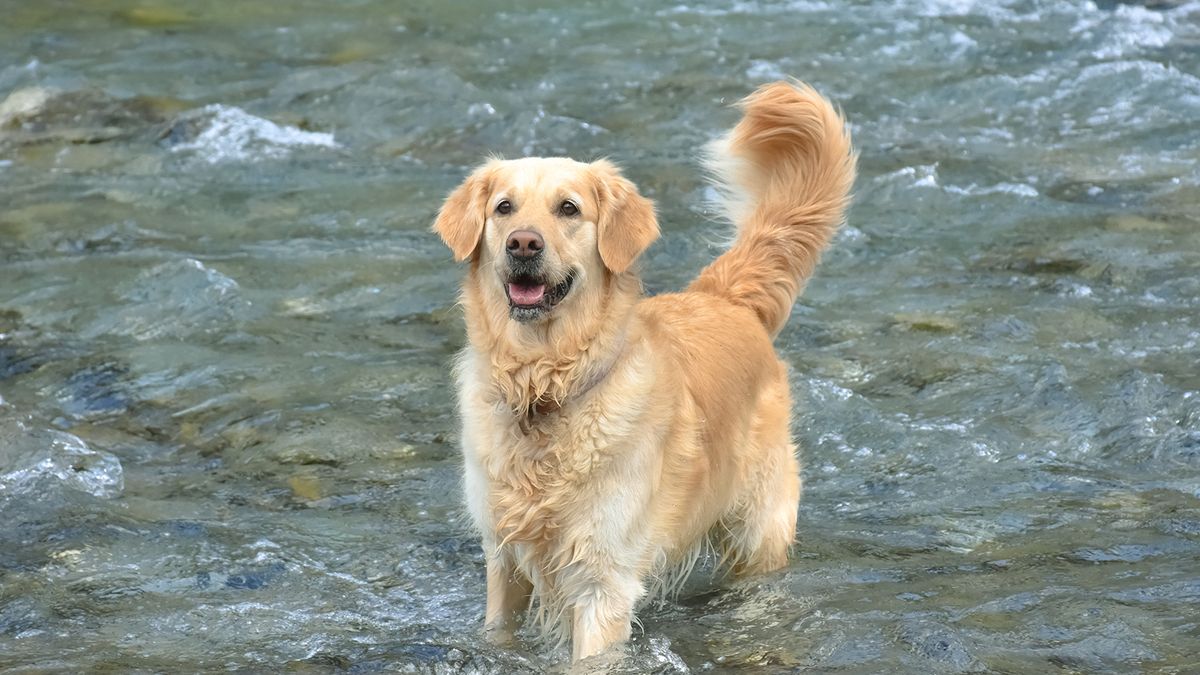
x: 607, y: 441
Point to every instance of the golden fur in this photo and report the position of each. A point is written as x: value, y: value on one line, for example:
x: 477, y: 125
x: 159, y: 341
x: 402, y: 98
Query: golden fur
x: 608, y: 440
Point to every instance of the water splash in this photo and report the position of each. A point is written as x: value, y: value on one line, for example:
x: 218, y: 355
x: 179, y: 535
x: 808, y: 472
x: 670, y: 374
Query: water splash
x: 35, y: 463
x: 230, y: 134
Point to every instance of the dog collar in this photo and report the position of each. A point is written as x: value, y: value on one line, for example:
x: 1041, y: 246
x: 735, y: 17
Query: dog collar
x: 546, y: 406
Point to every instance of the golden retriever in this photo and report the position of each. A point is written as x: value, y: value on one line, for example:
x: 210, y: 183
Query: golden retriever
x: 608, y: 438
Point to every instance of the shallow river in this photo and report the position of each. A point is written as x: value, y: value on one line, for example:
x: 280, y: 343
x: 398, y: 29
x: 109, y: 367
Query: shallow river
x: 227, y: 437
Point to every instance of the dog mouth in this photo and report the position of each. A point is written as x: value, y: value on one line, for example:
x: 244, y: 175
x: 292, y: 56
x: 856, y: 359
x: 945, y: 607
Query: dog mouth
x: 532, y: 295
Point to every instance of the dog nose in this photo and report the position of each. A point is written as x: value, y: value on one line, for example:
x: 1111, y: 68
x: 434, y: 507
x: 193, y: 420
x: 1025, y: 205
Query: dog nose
x: 525, y: 244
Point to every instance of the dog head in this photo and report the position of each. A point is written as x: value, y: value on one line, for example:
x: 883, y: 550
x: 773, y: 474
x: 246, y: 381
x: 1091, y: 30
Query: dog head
x: 546, y: 232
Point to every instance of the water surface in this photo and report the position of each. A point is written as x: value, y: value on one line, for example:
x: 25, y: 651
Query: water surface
x: 226, y: 430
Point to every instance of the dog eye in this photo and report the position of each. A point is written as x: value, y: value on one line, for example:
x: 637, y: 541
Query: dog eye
x: 569, y: 209
x: 504, y: 207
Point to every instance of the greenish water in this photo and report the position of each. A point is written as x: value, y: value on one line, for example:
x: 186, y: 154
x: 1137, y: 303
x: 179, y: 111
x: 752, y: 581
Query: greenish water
x: 227, y: 438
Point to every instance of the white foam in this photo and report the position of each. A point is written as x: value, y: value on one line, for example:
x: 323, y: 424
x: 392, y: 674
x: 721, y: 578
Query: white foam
x: 961, y: 39
x: 947, y: 7
x: 955, y: 8
x: 1129, y: 29
x: 35, y: 460
x: 924, y: 175
x: 1076, y: 290
x: 1152, y: 298
x: 826, y: 390
x: 765, y: 70
x: 481, y: 110
x: 850, y: 233
x: 752, y: 8
x: 1150, y: 71
x: 233, y: 135
x: 1017, y: 189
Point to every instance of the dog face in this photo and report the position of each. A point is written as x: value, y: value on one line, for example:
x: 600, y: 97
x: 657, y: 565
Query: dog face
x: 546, y: 232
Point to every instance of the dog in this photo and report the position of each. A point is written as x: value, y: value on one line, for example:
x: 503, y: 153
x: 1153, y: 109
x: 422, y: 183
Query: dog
x: 610, y: 438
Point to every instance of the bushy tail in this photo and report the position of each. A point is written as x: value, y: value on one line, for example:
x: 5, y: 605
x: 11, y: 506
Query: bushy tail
x: 784, y: 174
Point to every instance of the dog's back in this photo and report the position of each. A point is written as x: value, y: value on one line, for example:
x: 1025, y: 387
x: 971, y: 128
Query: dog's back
x: 784, y: 173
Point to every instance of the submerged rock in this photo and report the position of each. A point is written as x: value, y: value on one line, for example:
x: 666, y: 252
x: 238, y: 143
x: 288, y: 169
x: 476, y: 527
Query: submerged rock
x: 23, y: 104
x: 254, y: 579
x: 928, y: 322
x: 431, y: 652
x: 939, y: 643
x: 95, y: 390
x: 37, y: 463
x: 1132, y: 222
x: 174, y: 299
x: 43, y: 115
x: 151, y: 16
x: 14, y: 360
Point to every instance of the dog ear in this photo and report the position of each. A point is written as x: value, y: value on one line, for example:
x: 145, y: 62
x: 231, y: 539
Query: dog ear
x: 461, y: 219
x: 627, y: 225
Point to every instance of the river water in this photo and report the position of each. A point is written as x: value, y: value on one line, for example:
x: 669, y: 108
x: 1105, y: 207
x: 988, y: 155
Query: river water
x: 227, y: 437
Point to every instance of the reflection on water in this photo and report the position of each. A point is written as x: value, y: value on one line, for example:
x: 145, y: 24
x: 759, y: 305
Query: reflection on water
x: 226, y: 432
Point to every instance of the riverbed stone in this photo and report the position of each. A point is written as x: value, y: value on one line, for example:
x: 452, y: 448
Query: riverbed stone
x: 927, y: 322
x: 938, y: 643
x: 155, y: 16
x: 36, y: 115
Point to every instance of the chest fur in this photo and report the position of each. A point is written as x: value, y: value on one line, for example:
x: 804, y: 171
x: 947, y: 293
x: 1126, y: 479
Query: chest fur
x: 539, y: 471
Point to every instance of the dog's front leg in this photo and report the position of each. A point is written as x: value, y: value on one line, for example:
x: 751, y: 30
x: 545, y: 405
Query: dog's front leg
x: 507, y: 597
x: 602, y: 616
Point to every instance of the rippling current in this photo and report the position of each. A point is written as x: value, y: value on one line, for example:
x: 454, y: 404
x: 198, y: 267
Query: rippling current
x: 227, y: 437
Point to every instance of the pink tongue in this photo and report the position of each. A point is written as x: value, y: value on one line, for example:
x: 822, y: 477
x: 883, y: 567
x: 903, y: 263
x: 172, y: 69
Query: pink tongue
x: 526, y: 295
